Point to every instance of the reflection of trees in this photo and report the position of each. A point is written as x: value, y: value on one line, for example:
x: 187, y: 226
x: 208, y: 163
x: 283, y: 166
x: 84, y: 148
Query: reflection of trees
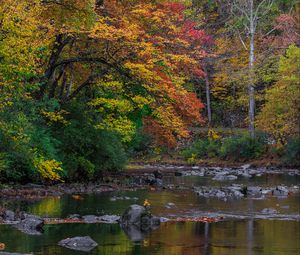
x: 268, y: 236
x: 228, y: 237
x: 49, y: 206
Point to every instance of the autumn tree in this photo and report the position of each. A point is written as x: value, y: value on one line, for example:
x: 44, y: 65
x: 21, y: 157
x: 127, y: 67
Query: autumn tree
x: 280, y: 115
x: 250, y: 12
x: 87, y: 75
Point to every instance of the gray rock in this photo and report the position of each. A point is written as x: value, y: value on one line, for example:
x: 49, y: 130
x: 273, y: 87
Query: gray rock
x: 269, y: 211
x: 231, y: 177
x: 221, y: 177
x: 90, y: 219
x: 9, y: 215
x: 31, y: 225
x: 246, y: 175
x: 246, y: 166
x: 138, y: 216
x: 79, y: 243
x: 74, y: 217
x: 110, y: 219
x: 283, y: 189
x: 133, y: 215
x: 137, y: 222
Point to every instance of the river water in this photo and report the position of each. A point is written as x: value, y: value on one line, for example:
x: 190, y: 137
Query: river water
x: 244, y: 230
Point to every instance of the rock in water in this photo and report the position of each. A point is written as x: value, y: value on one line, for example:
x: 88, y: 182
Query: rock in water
x: 133, y: 215
x: 269, y: 211
x: 136, y: 221
x: 79, y: 243
x: 31, y: 225
x: 138, y: 215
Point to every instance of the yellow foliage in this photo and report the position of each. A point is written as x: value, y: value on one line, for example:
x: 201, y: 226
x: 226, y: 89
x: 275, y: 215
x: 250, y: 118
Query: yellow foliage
x: 213, y: 135
x: 280, y: 114
x: 192, y: 159
x: 146, y: 203
x: 121, y: 125
x: 48, y: 169
x: 56, y: 117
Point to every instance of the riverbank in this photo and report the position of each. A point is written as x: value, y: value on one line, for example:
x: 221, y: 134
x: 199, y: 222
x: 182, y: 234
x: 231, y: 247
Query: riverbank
x: 139, y: 175
x: 174, y: 158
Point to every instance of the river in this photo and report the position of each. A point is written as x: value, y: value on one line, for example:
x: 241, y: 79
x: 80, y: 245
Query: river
x: 244, y: 230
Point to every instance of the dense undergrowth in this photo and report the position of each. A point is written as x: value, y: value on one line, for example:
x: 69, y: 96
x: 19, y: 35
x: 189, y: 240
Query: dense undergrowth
x: 243, y: 148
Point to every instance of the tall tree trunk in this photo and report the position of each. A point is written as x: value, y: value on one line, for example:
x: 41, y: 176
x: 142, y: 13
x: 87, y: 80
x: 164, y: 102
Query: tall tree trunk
x: 251, y: 74
x: 207, y: 96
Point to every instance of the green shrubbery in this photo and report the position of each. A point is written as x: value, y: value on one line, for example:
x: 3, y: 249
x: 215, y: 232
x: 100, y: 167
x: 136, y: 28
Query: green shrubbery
x: 241, y: 147
x: 292, y: 152
x: 34, y: 149
x: 202, y: 148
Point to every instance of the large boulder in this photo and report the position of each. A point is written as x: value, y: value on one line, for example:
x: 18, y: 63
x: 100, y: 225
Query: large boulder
x: 79, y: 243
x: 133, y: 215
x: 137, y: 220
x: 31, y: 225
x: 139, y: 216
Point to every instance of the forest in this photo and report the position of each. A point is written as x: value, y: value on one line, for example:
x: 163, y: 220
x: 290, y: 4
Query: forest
x: 87, y: 86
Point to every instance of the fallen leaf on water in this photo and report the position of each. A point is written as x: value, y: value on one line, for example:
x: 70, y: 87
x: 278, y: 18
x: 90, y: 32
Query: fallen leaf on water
x: 2, y: 246
x: 77, y: 197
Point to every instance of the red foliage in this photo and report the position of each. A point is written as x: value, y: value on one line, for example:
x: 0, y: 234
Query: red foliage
x: 176, y: 8
x: 195, y: 35
x: 287, y: 27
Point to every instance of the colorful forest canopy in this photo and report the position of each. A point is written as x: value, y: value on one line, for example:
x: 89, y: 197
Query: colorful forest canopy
x: 85, y: 82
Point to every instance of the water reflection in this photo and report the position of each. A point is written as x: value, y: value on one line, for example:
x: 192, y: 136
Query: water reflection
x: 222, y: 238
x: 236, y: 237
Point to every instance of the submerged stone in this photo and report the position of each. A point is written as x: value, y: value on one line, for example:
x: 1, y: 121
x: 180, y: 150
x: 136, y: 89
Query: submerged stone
x: 79, y: 243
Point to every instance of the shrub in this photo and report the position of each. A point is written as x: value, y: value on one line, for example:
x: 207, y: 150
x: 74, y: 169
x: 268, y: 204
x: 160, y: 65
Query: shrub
x: 242, y: 147
x: 202, y: 148
x: 87, y: 151
x: 292, y: 153
x: 22, y: 139
x: 140, y: 144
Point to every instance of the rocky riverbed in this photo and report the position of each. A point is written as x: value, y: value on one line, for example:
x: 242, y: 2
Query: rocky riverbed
x: 176, y: 195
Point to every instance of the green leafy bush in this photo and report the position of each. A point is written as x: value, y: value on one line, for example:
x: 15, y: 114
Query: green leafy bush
x: 292, y: 153
x: 140, y: 144
x: 242, y: 147
x: 87, y: 151
x: 23, y: 141
x: 202, y: 148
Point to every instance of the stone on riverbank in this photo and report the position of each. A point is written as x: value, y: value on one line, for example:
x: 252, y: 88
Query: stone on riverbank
x: 79, y: 243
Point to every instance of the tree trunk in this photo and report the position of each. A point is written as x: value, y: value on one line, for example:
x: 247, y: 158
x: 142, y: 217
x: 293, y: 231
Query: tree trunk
x: 207, y: 96
x: 251, y: 75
